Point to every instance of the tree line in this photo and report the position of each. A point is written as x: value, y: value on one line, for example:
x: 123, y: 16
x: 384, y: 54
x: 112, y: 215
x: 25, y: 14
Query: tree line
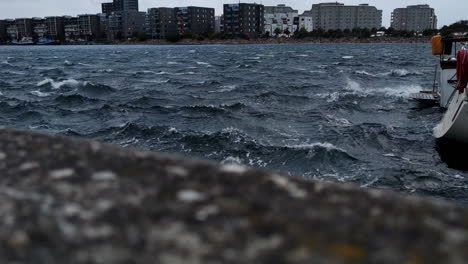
x: 362, y: 33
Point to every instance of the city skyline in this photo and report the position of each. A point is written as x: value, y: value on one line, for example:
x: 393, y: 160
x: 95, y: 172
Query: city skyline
x: 448, y: 12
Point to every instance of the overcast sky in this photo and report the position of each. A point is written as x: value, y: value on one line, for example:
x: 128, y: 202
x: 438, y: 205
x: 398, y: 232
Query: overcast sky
x: 448, y: 11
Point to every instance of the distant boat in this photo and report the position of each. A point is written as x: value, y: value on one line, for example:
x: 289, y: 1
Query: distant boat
x: 24, y: 42
x: 46, y: 41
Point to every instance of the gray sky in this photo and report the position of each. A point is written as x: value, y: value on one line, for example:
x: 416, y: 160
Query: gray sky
x: 448, y: 11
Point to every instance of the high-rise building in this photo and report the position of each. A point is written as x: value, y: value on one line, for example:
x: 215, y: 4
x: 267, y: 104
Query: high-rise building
x: 196, y: 20
x: 244, y: 20
x: 71, y: 27
x: 107, y: 8
x: 414, y: 18
x: 120, y: 5
x: 89, y: 26
x: 334, y: 15
x: 161, y: 22
x: 55, y: 27
x: 125, y: 24
x: 280, y: 17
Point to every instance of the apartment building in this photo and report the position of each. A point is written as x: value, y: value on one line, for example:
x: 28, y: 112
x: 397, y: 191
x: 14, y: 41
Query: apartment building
x: 414, y: 18
x: 280, y: 17
x: 119, y: 5
x: 3, y: 30
x: 39, y: 28
x: 125, y: 24
x: 55, y: 27
x: 244, y: 20
x: 196, y: 20
x: 161, y: 22
x: 89, y: 26
x: 334, y: 15
x: 71, y: 27
x: 305, y: 21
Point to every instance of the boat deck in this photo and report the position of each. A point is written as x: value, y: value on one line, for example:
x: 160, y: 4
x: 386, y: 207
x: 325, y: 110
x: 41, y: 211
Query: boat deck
x: 426, y: 97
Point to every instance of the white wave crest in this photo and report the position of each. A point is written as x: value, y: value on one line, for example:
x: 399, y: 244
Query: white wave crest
x: 60, y: 84
x: 39, y: 93
x: 395, y: 73
x: 313, y: 146
x: 347, y: 57
x: 225, y: 88
x: 399, y: 91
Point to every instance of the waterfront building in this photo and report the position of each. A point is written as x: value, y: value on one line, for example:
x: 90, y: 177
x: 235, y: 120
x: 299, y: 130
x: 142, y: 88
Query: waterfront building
x: 306, y: 21
x: 55, y: 27
x: 39, y: 28
x: 3, y: 31
x: 161, y: 22
x: 195, y: 20
x: 119, y: 5
x: 244, y: 20
x: 20, y: 28
x: 126, y: 24
x: 280, y: 17
x: 414, y: 18
x: 334, y: 15
x: 89, y: 26
x: 71, y: 28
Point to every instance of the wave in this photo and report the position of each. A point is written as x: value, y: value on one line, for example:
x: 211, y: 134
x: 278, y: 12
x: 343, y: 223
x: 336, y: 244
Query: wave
x: 93, y: 90
x: 72, y: 83
x: 216, y: 108
x: 39, y: 93
x: 282, y: 96
x: 398, y: 91
x: 392, y: 73
x: 203, y: 63
x: 225, y: 88
x: 74, y: 99
x: 83, y: 87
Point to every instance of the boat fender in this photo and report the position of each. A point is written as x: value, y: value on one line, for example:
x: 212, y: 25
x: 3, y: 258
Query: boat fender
x: 462, y: 70
x: 437, y: 46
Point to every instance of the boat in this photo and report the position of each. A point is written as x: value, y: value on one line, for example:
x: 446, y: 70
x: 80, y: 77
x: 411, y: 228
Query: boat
x: 23, y: 42
x: 46, y: 41
x: 454, y: 125
x: 445, y: 80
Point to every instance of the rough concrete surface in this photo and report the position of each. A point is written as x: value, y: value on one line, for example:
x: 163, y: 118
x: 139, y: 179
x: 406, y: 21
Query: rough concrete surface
x: 70, y: 201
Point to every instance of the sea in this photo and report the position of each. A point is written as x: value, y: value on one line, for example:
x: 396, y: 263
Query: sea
x: 327, y: 112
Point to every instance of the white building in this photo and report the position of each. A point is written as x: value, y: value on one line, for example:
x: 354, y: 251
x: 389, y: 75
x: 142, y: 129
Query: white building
x: 306, y: 21
x: 281, y: 17
x: 218, y: 24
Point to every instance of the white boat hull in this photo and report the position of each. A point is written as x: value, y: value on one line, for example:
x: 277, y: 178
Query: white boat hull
x: 454, y: 125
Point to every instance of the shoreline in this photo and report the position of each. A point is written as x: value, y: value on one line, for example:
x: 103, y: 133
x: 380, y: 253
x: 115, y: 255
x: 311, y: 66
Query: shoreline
x: 280, y: 41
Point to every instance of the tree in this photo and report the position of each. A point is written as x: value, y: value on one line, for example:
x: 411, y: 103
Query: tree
x: 277, y: 32
x: 287, y: 32
x: 302, y: 33
x: 173, y: 38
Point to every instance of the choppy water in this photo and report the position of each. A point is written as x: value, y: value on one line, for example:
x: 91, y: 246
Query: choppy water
x: 327, y: 112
